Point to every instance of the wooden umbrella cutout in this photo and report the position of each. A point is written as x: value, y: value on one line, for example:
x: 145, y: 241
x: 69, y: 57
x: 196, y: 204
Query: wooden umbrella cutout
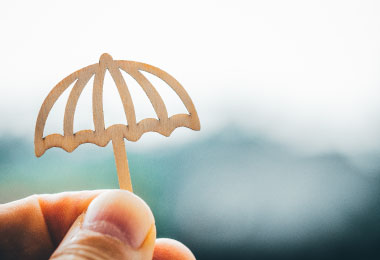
x: 116, y: 133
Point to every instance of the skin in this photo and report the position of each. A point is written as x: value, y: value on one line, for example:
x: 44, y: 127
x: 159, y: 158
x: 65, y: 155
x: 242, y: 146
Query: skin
x: 100, y: 224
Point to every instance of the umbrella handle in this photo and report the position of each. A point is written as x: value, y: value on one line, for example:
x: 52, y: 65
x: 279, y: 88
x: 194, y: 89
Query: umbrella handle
x: 121, y: 161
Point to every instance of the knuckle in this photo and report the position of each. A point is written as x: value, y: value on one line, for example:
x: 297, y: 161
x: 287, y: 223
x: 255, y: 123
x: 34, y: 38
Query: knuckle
x: 90, y: 246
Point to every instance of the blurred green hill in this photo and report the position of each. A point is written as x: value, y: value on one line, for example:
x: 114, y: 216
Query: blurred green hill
x: 233, y: 195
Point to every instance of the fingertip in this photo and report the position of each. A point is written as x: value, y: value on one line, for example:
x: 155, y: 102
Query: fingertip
x: 170, y: 249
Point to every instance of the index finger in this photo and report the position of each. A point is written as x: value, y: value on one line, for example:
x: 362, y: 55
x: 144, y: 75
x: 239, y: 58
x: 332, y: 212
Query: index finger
x: 33, y: 227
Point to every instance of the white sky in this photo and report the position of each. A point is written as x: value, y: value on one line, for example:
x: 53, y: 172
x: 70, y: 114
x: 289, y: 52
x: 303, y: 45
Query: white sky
x: 304, y: 72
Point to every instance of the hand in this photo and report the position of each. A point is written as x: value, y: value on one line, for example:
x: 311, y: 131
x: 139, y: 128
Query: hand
x: 112, y: 224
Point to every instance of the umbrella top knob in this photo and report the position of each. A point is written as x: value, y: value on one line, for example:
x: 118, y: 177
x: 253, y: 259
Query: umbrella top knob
x: 105, y: 58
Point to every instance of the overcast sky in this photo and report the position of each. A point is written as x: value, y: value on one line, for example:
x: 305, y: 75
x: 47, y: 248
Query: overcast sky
x: 306, y: 73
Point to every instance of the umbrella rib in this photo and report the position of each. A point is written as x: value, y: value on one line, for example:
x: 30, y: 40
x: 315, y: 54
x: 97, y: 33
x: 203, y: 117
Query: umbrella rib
x: 125, y: 96
x: 97, y: 99
x: 68, y: 123
x: 172, y: 82
x: 153, y: 95
x: 45, y: 109
x: 178, y: 89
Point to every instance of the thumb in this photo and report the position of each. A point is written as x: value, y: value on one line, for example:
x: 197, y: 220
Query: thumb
x: 117, y: 225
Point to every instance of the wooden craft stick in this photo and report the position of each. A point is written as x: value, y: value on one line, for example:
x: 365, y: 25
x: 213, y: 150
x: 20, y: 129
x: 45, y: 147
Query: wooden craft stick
x: 121, y: 161
x: 116, y: 133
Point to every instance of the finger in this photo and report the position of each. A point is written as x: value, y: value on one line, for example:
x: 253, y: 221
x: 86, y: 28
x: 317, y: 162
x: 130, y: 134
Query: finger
x: 169, y: 249
x: 31, y: 228
x: 62, y: 209
x: 117, y: 225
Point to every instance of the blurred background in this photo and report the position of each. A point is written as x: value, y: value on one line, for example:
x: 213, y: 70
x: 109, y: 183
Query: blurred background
x: 286, y: 165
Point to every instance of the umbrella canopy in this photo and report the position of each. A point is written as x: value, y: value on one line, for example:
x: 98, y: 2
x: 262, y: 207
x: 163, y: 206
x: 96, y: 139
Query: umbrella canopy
x: 116, y: 133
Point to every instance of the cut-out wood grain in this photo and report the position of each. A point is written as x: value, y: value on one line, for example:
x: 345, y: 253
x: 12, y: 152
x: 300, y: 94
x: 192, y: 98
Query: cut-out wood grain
x: 130, y: 130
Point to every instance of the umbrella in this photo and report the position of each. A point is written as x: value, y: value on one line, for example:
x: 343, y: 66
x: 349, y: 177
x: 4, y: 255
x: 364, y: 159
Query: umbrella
x: 116, y: 133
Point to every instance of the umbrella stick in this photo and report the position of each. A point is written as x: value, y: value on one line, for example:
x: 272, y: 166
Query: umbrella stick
x: 121, y: 161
